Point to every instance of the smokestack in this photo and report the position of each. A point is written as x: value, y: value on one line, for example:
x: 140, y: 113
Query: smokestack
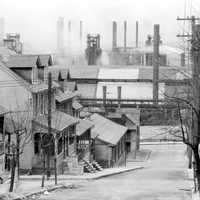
x: 60, y: 35
x: 81, y: 32
x: 69, y: 35
x: 136, y: 37
x: 114, y: 42
x: 125, y: 29
x: 156, y: 41
x: 119, y: 94
x: 1, y: 31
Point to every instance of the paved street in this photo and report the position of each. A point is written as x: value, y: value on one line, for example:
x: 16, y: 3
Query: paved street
x: 163, y: 178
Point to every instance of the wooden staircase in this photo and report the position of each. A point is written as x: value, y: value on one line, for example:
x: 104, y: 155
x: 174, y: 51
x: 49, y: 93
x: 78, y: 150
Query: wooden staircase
x: 91, y: 167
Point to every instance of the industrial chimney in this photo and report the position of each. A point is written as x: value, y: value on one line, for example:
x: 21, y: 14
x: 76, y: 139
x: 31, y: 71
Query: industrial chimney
x: 81, y: 33
x: 125, y: 30
x: 136, y: 35
x: 114, y: 42
x: 60, y: 35
x: 156, y: 42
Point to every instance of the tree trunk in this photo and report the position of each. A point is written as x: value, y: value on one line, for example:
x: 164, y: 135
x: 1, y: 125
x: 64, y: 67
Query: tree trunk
x: 18, y: 155
x: 189, y: 153
x: 13, y: 164
x: 44, y: 170
x: 197, y: 164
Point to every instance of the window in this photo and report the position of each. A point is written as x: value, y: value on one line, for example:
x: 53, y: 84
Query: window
x: 60, y: 144
x: 37, y: 142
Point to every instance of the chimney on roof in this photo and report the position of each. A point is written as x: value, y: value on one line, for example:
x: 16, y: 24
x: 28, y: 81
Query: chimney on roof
x: 125, y: 30
x: 114, y: 36
x: 104, y: 96
x: 1, y: 31
x: 119, y: 95
x: 136, y: 36
x: 60, y: 35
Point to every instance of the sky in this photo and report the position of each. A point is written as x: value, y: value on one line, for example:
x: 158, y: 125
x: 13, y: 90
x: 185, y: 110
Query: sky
x: 35, y: 20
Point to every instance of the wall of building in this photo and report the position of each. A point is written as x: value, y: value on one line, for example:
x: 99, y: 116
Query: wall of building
x: 13, y: 95
x: 103, y: 153
x: 26, y: 74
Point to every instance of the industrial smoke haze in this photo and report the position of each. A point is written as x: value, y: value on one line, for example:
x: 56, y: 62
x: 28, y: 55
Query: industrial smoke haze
x: 36, y: 21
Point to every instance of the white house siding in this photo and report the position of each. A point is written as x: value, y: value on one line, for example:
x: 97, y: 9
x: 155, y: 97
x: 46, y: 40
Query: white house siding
x: 26, y: 158
x: 130, y: 90
x: 13, y: 95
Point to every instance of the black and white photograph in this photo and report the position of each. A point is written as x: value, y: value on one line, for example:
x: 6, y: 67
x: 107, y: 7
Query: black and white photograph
x: 99, y: 100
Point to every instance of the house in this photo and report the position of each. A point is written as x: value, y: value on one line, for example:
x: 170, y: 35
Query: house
x: 137, y: 79
x: 23, y: 65
x: 2, y: 142
x: 130, y: 118
x: 109, y: 141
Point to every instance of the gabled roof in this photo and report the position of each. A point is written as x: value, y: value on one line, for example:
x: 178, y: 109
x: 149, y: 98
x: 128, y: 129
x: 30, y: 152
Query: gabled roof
x: 133, y: 114
x: 35, y: 88
x: 76, y: 105
x: 59, y: 120
x: 106, y: 130
x: 87, y: 90
x: 69, y: 85
x: 22, y: 61
x: 83, y: 126
x: 85, y: 72
x: 15, y: 76
x: 3, y: 110
x: 28, y: 60
x: 64, y: 96
x: 45, y: 59
x: 56, y: 70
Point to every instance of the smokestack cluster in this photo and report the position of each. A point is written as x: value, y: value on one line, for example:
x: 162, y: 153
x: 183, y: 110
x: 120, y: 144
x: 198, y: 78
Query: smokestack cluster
x: 60, y: 35
x: 114, y: 35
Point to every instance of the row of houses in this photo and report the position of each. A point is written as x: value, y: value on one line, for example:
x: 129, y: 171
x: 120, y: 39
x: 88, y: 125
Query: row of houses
x: 135, y: 82
x: 75, y: 142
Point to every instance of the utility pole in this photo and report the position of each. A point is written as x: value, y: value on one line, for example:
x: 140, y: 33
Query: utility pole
x: 196, y: 99
x: 156, y: 43
x: 192, y: 19
x: 49, y: 125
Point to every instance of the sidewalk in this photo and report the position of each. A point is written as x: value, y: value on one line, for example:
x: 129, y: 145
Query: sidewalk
x: 87, y: 176
x: 31, y: 185
x: 141, y: 155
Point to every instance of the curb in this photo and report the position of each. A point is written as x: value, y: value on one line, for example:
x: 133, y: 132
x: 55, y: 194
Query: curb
x: 92, y: 177
x: 116, y: 173
x: 41, y: 191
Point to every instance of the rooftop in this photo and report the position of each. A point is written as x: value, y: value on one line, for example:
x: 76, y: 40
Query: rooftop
x: 59, y: 120
x: 64, y: 96
x: 106, y: 130
x: 83, y: 126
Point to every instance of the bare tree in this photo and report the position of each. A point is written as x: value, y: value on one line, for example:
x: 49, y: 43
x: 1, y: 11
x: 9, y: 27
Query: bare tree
x: 18, y: 125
